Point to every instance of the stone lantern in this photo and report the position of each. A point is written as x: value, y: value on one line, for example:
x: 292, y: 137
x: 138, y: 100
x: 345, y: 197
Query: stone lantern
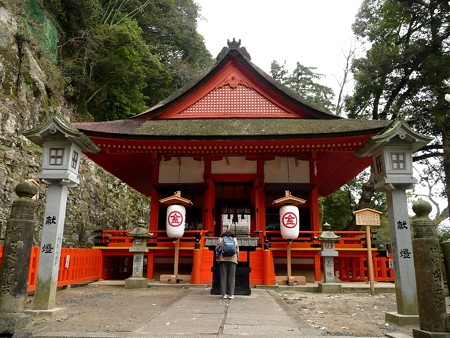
x: 140, y: 236
x: 62, y: 148
x: 61, y: 154
x: 392, y: 151
x: 328, y: 240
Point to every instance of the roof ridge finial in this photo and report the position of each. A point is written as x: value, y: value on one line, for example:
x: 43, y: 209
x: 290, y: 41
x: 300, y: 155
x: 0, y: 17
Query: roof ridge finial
x: 234, y: 44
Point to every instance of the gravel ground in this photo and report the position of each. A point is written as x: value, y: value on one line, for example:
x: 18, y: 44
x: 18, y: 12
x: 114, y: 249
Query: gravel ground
x: 347, y: 314
x: 103, y: 308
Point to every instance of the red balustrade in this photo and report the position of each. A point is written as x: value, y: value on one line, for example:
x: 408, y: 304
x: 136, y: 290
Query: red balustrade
x: 354, y: 269
x: 76, y: 266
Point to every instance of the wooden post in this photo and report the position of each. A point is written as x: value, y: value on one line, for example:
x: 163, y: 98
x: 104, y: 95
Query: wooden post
x: 369, y: 260
x: 368, y: 217
x: 289, y: 262
x: 175, y: 264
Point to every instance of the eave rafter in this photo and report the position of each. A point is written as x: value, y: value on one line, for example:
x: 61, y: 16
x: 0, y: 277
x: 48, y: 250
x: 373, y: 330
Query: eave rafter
x: 230, y: 147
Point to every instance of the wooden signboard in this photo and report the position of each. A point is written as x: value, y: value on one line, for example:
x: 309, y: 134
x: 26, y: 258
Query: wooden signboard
x: 367, y: 217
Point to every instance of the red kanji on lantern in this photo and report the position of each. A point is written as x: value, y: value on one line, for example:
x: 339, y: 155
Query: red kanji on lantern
x: 290, y: 220
x: 175, y: 218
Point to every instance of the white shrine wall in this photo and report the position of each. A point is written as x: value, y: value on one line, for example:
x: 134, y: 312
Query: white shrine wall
x: 181, y: 170
x: 234, y: 165
x: 279, y: 170
x: 286, y: 170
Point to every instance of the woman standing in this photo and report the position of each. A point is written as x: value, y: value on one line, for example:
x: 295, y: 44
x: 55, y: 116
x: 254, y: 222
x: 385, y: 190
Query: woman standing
x: 227, y: 264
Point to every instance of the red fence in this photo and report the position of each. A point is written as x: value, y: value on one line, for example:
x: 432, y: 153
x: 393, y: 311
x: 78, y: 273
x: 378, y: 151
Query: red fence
x: 354, y: 269
x: 85, y: 265
x: 75, y: 266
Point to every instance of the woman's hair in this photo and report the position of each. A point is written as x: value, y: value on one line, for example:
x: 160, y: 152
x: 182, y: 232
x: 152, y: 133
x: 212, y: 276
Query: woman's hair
x: 227, y: 233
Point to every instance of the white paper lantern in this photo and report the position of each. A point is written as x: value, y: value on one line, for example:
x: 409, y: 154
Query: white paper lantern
x: 289, y: 222
x: 176, y: 215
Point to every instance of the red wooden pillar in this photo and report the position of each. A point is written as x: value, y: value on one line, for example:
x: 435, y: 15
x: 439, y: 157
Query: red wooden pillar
x: 260, y: 199
x: 154, y: 197
x: 314, y: 212
x: 197, y: 261
x: 209, y: 199
x: 154, y: 213
x: 150, y: 263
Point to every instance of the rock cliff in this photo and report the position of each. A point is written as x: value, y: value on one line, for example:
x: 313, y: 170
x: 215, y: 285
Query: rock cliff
x: 31, y: 90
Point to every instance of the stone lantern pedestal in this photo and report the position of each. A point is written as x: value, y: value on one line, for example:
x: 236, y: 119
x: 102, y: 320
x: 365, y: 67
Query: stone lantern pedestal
x: 62, y: 148
x: 327, y: 241
x: 140, y: 236
x: 391, y: 151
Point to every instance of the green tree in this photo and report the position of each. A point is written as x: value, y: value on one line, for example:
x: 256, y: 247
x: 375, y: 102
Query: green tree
x: 119, y: 66
x: 337, y: 209
x: 304, y: 81
x: 122, y: 56
x: 74, y: 16
x: 170, y: 29
x: 406, y: 70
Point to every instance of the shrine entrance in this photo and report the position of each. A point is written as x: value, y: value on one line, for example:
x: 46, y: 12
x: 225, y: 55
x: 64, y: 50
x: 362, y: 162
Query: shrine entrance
x: 233, y: 208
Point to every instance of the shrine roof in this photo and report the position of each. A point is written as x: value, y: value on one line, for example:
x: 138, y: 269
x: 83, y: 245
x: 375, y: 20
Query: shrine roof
x: 237, y: 102
x: 237, y: 55
x: 211, y: 128
x: 235, y: 99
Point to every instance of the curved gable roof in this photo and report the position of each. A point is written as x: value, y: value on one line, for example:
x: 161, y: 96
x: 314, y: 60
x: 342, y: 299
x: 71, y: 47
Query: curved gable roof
x: 235, y: 88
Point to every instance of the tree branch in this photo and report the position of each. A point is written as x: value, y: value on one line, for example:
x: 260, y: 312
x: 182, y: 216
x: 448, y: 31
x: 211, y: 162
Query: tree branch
x: 428, y: 155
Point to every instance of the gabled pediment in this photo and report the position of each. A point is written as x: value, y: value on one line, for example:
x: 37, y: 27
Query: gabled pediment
x: 235, y: 88
x: 231, y: 94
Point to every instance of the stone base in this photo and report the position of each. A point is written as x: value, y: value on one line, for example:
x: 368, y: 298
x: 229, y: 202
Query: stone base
x: 401, y: 320
x: 136, y: 283
x: 290, y: 280
x: 427, y: 334
x: 11, y: 322
x: 175, y: 279
x: 330, y: 288
x: 47, y: 313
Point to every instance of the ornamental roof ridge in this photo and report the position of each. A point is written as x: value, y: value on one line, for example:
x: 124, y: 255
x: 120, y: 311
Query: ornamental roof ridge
x: 233, y: 45
x: 235, y: 52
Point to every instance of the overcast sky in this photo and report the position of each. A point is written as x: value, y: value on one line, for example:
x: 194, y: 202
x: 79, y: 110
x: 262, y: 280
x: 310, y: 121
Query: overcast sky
x: 314, y: 33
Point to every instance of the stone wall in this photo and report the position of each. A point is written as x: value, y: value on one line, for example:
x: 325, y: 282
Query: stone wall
x: 31, y: 90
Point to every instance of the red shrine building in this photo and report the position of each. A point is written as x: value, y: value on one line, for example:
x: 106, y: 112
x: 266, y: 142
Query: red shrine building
x: 232, y: 143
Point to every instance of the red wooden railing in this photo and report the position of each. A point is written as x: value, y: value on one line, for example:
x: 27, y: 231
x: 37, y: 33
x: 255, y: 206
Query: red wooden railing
x: 119, y: 238
x: 354, y: 269
x: 76, y: 266
x: 349, y: 239
x: 84, y: 265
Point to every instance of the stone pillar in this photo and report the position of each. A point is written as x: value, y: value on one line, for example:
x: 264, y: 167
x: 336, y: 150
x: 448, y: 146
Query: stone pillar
x: 402, y: 252
x: 433, y: 316
x: 445, y: 247
x: 392, y: 151
x: 50, y: 251
x: 16, y: 259
x: 62, y: 147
